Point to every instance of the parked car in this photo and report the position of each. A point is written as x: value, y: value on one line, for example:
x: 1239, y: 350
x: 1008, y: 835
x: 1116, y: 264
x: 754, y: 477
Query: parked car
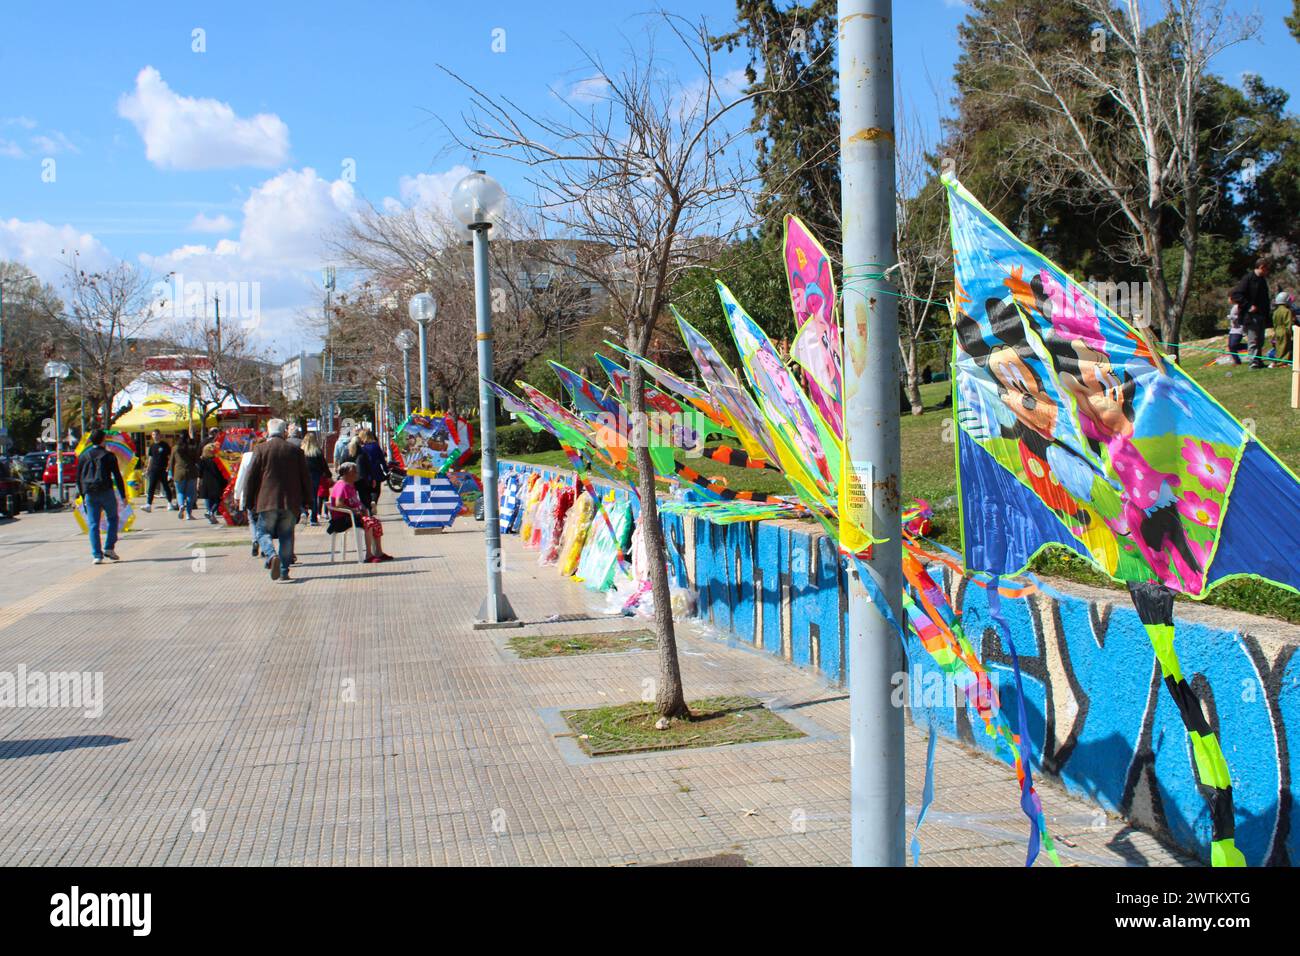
x: 12, y: 494
x: 32, y: 465
x: 51, y: 476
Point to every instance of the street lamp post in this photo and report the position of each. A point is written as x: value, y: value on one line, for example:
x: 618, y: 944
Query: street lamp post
x: 404, y: 342
x: 871, y: 426
x: 478, y: 201
x: 423, y: 310
x: 58, y: 371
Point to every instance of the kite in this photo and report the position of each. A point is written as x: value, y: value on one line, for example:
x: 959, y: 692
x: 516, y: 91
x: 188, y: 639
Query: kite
x: 1073, y: 431
x: 816, y: 345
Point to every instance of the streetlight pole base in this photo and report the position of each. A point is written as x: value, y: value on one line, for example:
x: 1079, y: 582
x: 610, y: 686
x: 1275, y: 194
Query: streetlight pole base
x: 505, y: 616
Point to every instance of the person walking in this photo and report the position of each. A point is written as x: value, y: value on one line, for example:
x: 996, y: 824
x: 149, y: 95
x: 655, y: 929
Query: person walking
x: 185, y: 473
x: 1236, y: 332
x: 318, y: 471
x: 1251, y: 294
x: 278, y: 486
x: 100, y: 482
x: 212, y: 483
x: 1283, y: 319
x: 375, y: 468
x: 158, y: 454
x: 241, y: 491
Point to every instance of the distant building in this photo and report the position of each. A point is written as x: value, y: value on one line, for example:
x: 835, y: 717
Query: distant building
x: 297, y: 374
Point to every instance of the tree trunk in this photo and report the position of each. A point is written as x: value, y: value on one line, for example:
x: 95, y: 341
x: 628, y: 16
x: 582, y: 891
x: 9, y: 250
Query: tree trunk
x: 913, y: 378
x: 670, y: 701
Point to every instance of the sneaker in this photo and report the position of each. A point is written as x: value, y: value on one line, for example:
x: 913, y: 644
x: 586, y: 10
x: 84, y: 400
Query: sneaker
x: 284, y: 576
x: 170, y: 506
x: 96, y: 560
x: 189, y: 517
x: 211, y: 519
x: 111, y: 555
x: 256, y: 550
x: 147, y: 508
x: 274, y: 565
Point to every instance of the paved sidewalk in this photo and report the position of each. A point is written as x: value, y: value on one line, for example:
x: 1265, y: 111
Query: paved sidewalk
x: 354, y: 717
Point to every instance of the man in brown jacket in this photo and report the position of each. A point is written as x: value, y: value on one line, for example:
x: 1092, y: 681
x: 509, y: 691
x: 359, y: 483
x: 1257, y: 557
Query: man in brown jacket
x: 277, y: 486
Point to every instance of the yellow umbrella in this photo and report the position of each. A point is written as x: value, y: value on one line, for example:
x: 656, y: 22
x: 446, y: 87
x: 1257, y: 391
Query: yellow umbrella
x: 162, y: 413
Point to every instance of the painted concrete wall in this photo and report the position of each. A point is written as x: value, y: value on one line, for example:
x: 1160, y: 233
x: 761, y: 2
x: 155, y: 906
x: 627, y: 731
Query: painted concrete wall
x: 1100, y: 720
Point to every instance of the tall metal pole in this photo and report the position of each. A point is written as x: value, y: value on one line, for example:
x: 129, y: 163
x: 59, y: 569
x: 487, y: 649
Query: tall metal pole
x: 4, y: 404
x: 406, y: 384
x: 424, y: 365
x: 58, y: 439
x: 496, y: 607
x: 871, y: 424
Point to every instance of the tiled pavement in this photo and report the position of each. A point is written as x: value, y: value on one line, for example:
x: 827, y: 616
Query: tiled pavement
x: 353, y: 716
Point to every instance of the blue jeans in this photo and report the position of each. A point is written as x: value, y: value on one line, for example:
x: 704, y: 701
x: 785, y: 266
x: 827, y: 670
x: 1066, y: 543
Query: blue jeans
x: 101, y: 502
x: 185, y: 492
x: 276, y: 525
x: 253, y: 528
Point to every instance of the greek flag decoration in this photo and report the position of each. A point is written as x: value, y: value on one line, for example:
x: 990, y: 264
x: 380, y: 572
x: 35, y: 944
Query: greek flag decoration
x: 428, y: 502
x: 512, y: 503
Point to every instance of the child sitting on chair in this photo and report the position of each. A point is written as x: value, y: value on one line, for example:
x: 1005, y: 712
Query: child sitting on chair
x: 344, y: 495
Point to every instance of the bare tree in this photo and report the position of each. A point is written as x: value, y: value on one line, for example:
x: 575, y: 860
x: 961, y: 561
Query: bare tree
x: 651, y: 173
x: 1115, y: 118
x: 104, y: 313
x: 924, y: 247
x: 536, y: 294
x: 223, y: 362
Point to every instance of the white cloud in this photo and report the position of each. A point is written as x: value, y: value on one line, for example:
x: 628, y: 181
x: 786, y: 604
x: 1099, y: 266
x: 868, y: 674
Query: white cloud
x: 26, y: 122
x: 593, y: 89
x: 11, y: 150
x: 427, y: 190
x: 53, y: 143
x: 287, y: 217
x: 206, y: 223
x: 46, y: 249
x: 183, y: 132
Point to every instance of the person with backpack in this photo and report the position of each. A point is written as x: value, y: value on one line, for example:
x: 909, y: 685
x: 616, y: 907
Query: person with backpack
x: 100, y: 482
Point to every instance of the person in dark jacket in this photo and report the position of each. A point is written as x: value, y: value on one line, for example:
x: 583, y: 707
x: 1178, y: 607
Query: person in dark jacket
x: 278, y: 486
x: 212, y: 483
x: 159, y: 454
x: 100, y: 482
x: 318, y: 470
x: 185, y: 472
x: 1251, y: 295
x: 375, y: 468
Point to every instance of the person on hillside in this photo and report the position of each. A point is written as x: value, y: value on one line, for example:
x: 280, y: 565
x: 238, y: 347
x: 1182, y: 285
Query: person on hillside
x: 344, y: 494
x: 1283, y: 319
x: 158, y: 455
x: 241, y: 492
x: 376, y: 466
x: 100, y: 482
x: 1251, y: 294
x: 1236, y: 332
x: 278, y: 487
x: 185, y: 473
x: 212, y: 483
x: 318, y: 471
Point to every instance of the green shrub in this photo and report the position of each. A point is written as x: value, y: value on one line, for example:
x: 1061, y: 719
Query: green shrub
x: 519, y: 439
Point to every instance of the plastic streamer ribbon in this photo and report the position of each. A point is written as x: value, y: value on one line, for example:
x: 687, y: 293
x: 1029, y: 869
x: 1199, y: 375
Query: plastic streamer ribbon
x: 1029, y: 799
x: 927, y: 796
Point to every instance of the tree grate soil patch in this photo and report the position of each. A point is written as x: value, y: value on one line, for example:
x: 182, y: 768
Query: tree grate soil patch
x: 571, y: 645
x: 714, y: 722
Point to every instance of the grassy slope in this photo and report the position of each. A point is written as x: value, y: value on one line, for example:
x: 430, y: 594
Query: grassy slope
x: 1261, y: 397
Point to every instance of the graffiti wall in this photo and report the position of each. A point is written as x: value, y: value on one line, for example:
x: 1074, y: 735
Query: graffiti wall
x: 1100, y: 720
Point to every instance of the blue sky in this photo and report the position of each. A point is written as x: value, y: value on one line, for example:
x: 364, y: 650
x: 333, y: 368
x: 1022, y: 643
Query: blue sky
x: 225, y: 165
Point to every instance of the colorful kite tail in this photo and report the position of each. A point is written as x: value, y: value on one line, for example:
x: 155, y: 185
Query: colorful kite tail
x: 1155, y: 606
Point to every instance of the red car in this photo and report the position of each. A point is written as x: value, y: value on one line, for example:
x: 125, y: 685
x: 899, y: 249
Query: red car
x: 51, y: 476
